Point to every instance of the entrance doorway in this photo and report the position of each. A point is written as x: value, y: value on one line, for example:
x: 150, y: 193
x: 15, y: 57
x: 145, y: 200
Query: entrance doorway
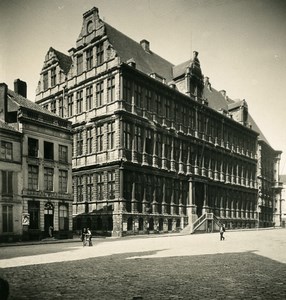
x: 199, y: 197
x: 49, y: 219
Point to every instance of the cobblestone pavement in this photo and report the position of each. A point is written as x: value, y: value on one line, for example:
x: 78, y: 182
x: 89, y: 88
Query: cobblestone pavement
x: 247, y: 265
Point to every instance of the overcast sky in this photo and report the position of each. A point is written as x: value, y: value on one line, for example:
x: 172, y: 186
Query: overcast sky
x: 241, y: 44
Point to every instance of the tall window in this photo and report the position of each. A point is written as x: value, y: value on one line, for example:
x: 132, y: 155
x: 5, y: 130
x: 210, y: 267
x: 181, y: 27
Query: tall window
x: 6, y: 150
x: 99, y: 138
x: 33, y: 177
x: 80, y: 188
x: 49, y: 179
x: 61, y: 107
x: 89, y: 58
x: 89, y: 97
x: 34, y: 211
x: 48, y: 150
x: 100, y: 185
x: 148, y: 97
x: 127, y: 91
x: 70, y: 105
x: 110, y: 135
x: 33, y: 147
x: 99, y: 93
x: 79, y: 101
x: 45, y: 80
x: 148, y: 142
x: 111, y: 184
x: 138, y: 95
x: 89, y: 187
x: 7, y: 218
x: 110, y: 89
x: 99, y: 54
x: 53, y: 77
x: 79, y: 64
x: 89, y: 139
x: 7, y: 183
x: 159, y: 145
x: 127, y: 136
x: 63, y: 217
x: 167, y: 108
x: 138, y: 139
x: 63, y: 181
x: 167, y: 147
x: 54, y: 106
x: 63, y: 153
x: 79, y: 143
x: 158, y: 103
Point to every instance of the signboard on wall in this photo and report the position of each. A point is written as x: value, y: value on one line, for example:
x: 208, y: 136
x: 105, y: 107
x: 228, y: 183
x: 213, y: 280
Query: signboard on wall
x: 25, y: 219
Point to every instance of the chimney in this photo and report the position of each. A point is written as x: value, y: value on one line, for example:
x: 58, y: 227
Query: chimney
x: 20, y: 87
x: 195, y: 54
x: 3, y: 101
x: 145, y: 45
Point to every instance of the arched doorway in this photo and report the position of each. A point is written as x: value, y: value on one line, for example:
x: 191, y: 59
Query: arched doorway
x: 48, y: 218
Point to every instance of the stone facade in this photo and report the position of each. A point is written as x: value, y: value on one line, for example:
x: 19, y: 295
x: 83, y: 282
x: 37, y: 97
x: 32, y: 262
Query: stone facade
x: 41, y: 168
x: 155, y: 147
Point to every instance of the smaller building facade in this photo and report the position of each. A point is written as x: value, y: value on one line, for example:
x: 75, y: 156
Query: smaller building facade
x: 36, y: 185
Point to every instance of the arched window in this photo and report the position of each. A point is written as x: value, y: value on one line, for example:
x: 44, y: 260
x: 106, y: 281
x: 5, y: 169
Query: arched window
x: 63, y: 217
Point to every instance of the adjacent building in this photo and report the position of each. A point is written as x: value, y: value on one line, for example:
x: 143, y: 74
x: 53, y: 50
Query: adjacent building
x: 155, y: 147
x: 36, y: 172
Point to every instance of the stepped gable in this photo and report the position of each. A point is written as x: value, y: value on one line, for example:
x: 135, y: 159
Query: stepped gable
x: 146, y: 60
x: 20, y: 101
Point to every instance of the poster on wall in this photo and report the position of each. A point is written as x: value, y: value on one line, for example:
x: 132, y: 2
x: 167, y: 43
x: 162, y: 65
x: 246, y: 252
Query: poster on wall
x: 25, y: 219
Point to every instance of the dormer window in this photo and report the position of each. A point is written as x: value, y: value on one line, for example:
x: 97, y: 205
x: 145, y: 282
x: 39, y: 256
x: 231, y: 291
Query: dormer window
x: 53, y: 77
x: 99, y: 54
x: 45, y: 81
x: 79, y: 64
x: 89, y: 59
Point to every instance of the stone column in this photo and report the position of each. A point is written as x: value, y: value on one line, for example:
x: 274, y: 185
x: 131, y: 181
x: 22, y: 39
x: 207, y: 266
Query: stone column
x: 191, y: 207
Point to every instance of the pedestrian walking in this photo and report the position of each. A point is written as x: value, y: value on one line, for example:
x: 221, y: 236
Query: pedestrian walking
x: 88, y: 237
x: 221, y: 232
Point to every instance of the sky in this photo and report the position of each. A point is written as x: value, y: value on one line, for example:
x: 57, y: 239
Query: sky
x: 241, y: 44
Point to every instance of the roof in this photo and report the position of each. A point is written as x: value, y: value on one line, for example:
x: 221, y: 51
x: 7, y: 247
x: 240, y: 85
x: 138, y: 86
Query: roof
x: 4, y: 125
x: 180, y: 69
x: 20, y: 101
x: 147, y: 62
x: 65, y: 61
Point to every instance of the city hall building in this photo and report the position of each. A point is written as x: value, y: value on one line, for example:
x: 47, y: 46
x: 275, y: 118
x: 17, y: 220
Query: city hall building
x: 155, y: 147
x: 35, y: 169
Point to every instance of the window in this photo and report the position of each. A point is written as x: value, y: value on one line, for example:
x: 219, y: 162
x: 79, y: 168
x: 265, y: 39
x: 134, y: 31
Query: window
x: 34, y: 211
x: 6, y: 150
x: 48, y: 179
x: 79, y: 101
x: 99, y: 54
x: 45, y: 80
x: 89, y: 187
x: 127, y: 92
x: 110, y: 89
x: 63, y: 153
x: 89, y: 98
x: 61, y: 107
x: 63, y: 217
x: 127, y: 136
x: 7, y: 218
x: 159, y: 145
x: 33, y: 177
x: 149, y: 144
x: 63, y: 181
x: 7, y: 183
x: 167, y: 108
x: 48, y: 150
x: 138, y: 139
x: 111, y: 184
x: 80, y: 188
x: 33, y: 147
x: 89, y: 140
x: 99, y: 138
x: 79, y: 64
x: 53, y: 106
x: 79, y: 143
x: 138, y: 95
x: 148, y: 97
x: 110, y: 135
x: 158, y: 103
x: 70, y: 105
x: 100, y: 185
x: 99, y: 93
x: 53, y: 77
x: 167, y: 147
x: 89, y: 59
x: 46, y: 106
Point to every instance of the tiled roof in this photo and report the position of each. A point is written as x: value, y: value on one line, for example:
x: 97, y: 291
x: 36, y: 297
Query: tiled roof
x: 4, y: 125
x: 18, y: 100
x: 65, y: 61
x: 180, y: 69
x: 147, y: 62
